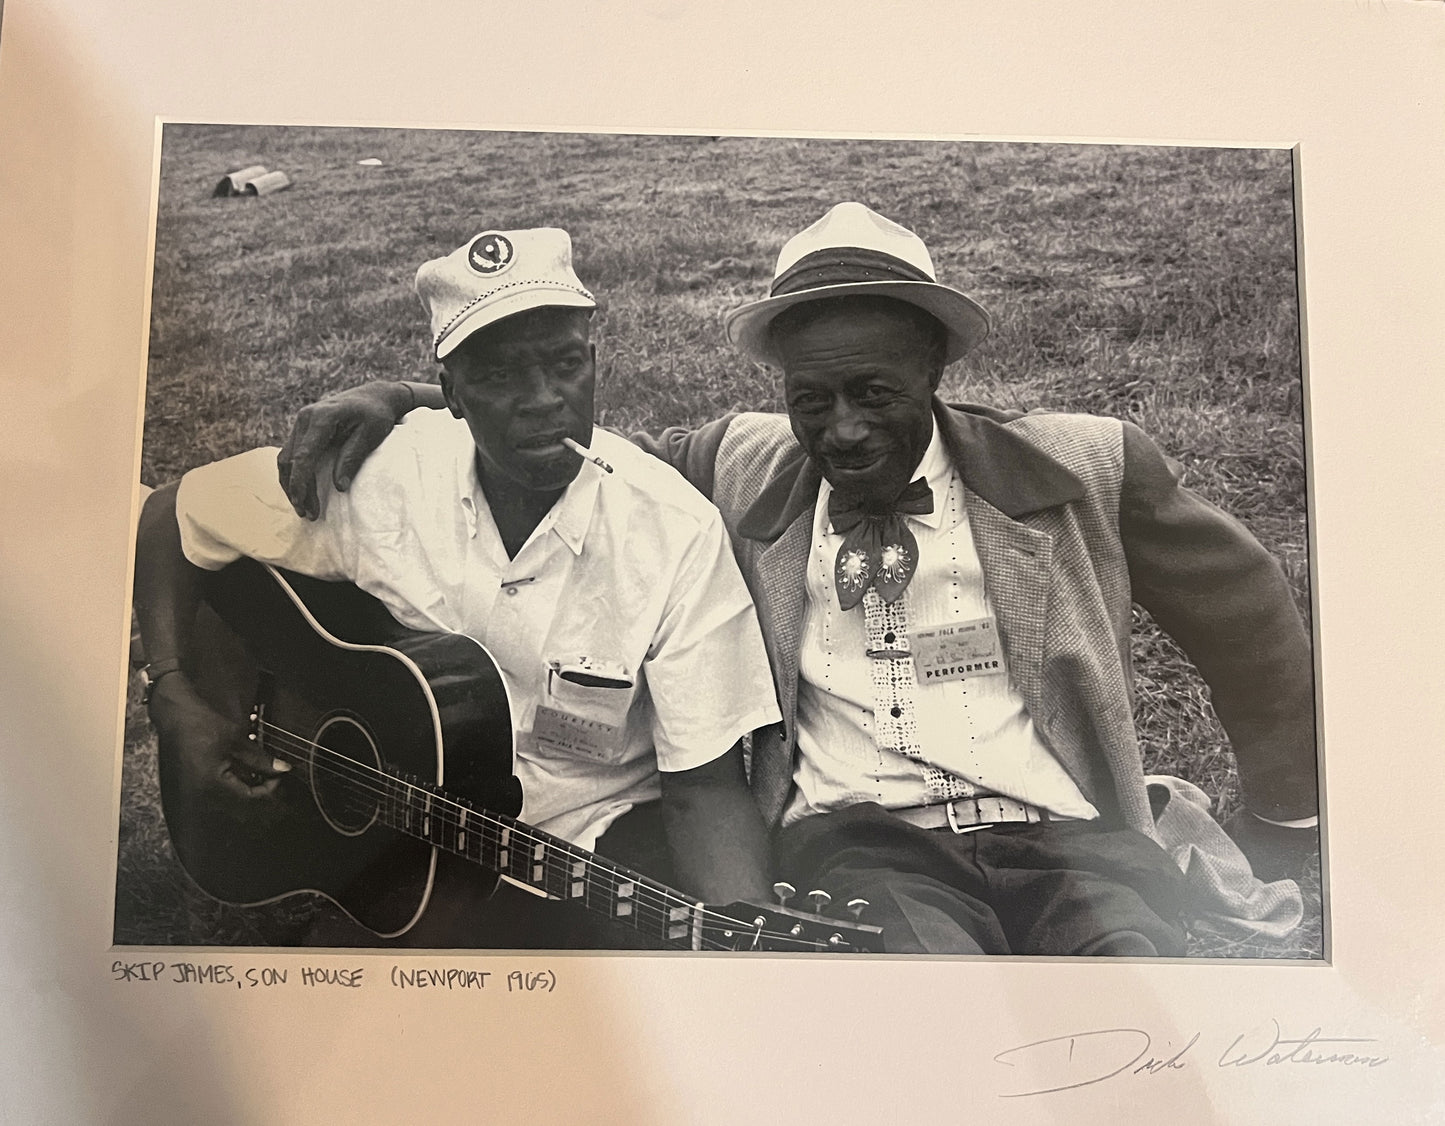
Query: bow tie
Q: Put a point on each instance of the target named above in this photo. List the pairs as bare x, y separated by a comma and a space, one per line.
878, 549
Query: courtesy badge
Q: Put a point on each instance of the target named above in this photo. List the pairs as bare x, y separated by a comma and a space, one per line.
585, 709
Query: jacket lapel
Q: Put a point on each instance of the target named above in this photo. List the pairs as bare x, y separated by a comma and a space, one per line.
1008, 471
1007, 480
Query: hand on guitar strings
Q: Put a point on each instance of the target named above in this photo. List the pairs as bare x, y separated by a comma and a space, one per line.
213, 749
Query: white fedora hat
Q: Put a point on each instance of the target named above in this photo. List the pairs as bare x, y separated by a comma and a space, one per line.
854, 250
493, 275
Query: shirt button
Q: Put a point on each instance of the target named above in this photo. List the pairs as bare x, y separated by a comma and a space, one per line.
889, 638
512, 590
895, 711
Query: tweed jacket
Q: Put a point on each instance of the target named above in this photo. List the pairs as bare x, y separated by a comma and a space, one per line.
1074, 517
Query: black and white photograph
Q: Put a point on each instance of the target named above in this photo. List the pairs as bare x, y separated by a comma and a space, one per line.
668, 562
762, 544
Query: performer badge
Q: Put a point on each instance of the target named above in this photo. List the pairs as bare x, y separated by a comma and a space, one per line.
958, 651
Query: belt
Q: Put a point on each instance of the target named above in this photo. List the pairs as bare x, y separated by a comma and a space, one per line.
964, 815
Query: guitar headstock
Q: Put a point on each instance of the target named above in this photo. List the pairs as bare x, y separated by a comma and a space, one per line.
783, 929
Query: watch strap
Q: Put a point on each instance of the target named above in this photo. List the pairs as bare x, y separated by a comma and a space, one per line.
152, 672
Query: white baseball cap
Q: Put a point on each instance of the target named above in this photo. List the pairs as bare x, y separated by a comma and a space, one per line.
497, 274
854, 250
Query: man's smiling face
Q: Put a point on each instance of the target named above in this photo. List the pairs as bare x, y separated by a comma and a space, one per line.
858, 377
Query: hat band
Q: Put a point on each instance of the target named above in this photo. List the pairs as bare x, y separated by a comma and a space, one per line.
845, 265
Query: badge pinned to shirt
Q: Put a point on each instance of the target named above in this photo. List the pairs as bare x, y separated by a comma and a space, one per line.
958, 651
584, 708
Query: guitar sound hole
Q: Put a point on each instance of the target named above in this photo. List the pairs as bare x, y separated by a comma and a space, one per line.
347, 793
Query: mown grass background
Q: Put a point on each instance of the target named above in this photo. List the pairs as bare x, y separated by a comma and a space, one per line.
1155, 284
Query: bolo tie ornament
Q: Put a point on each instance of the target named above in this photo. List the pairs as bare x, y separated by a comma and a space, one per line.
878, 550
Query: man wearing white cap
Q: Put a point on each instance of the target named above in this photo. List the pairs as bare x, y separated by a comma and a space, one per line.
946, 597
486, 520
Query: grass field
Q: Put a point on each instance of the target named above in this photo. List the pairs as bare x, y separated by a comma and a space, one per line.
1155, 284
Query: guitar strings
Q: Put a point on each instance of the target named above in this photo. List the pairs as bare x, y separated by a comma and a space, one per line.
490, 827
647, 896
356, 773
653, 897
657, 899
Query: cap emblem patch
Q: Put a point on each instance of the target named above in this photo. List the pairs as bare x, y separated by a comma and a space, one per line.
490, 253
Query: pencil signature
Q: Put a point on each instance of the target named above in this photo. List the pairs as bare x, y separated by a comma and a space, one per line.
1080, 1059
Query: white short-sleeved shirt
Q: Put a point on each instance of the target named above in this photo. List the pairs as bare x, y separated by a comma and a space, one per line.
628, 577
885, 730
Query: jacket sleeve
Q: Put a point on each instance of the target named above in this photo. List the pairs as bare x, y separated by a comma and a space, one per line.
1216, 591
693, 453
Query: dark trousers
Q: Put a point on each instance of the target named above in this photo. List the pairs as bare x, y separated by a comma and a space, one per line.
464, 913
1057, 887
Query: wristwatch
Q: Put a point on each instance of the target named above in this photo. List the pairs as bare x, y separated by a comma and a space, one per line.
151, 674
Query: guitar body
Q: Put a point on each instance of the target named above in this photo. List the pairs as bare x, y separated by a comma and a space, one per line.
373, 720
324, 678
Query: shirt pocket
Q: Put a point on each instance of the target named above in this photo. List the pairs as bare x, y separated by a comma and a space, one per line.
583, 710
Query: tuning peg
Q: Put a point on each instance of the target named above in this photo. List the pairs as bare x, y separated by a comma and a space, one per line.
820, 900
784, 891
856, 907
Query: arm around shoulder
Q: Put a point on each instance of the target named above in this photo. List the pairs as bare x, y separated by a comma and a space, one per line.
692, 452
342, 430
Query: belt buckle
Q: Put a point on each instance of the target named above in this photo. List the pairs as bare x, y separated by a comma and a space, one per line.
959, 830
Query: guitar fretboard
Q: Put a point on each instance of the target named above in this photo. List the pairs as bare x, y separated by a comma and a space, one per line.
545, 862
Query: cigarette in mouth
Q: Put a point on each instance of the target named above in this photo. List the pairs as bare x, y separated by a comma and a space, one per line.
585, 454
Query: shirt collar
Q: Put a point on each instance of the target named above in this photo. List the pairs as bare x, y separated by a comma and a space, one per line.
573, 513
569, 518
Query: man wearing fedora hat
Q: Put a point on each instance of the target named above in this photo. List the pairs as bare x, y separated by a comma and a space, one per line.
945, 594
599, 580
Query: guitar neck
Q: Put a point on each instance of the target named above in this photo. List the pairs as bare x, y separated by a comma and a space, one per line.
546, 863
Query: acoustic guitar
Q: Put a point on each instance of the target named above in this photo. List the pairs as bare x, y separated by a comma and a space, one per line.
400, 744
